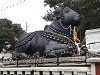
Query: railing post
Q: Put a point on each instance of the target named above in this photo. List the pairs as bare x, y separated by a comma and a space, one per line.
95, 65
57, 60
17, 62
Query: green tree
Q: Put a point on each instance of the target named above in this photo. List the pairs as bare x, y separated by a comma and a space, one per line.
9, 30
89, 8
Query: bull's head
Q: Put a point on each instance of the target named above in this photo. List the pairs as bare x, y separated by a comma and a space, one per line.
68, 16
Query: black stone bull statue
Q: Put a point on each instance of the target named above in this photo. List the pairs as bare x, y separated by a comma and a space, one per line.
55, 40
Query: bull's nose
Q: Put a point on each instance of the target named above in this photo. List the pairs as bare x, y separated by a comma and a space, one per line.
79, 18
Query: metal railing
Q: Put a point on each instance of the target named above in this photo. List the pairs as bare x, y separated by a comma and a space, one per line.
47, 61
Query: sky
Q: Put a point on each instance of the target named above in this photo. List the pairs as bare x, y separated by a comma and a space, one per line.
25, 11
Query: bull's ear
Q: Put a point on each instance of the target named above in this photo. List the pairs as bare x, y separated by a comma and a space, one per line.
57, 12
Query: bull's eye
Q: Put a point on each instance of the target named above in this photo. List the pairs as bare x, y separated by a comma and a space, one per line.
66, 11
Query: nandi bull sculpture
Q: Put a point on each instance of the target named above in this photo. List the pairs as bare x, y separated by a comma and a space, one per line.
55, 40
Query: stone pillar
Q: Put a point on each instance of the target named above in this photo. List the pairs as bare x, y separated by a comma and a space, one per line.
95, 65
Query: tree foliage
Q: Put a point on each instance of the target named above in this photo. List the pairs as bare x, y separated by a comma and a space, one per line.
8, 30
89, 8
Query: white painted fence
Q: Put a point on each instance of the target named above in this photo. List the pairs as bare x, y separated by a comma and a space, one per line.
47, 71
93, 40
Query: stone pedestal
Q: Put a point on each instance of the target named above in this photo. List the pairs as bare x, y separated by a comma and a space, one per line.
95, 65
